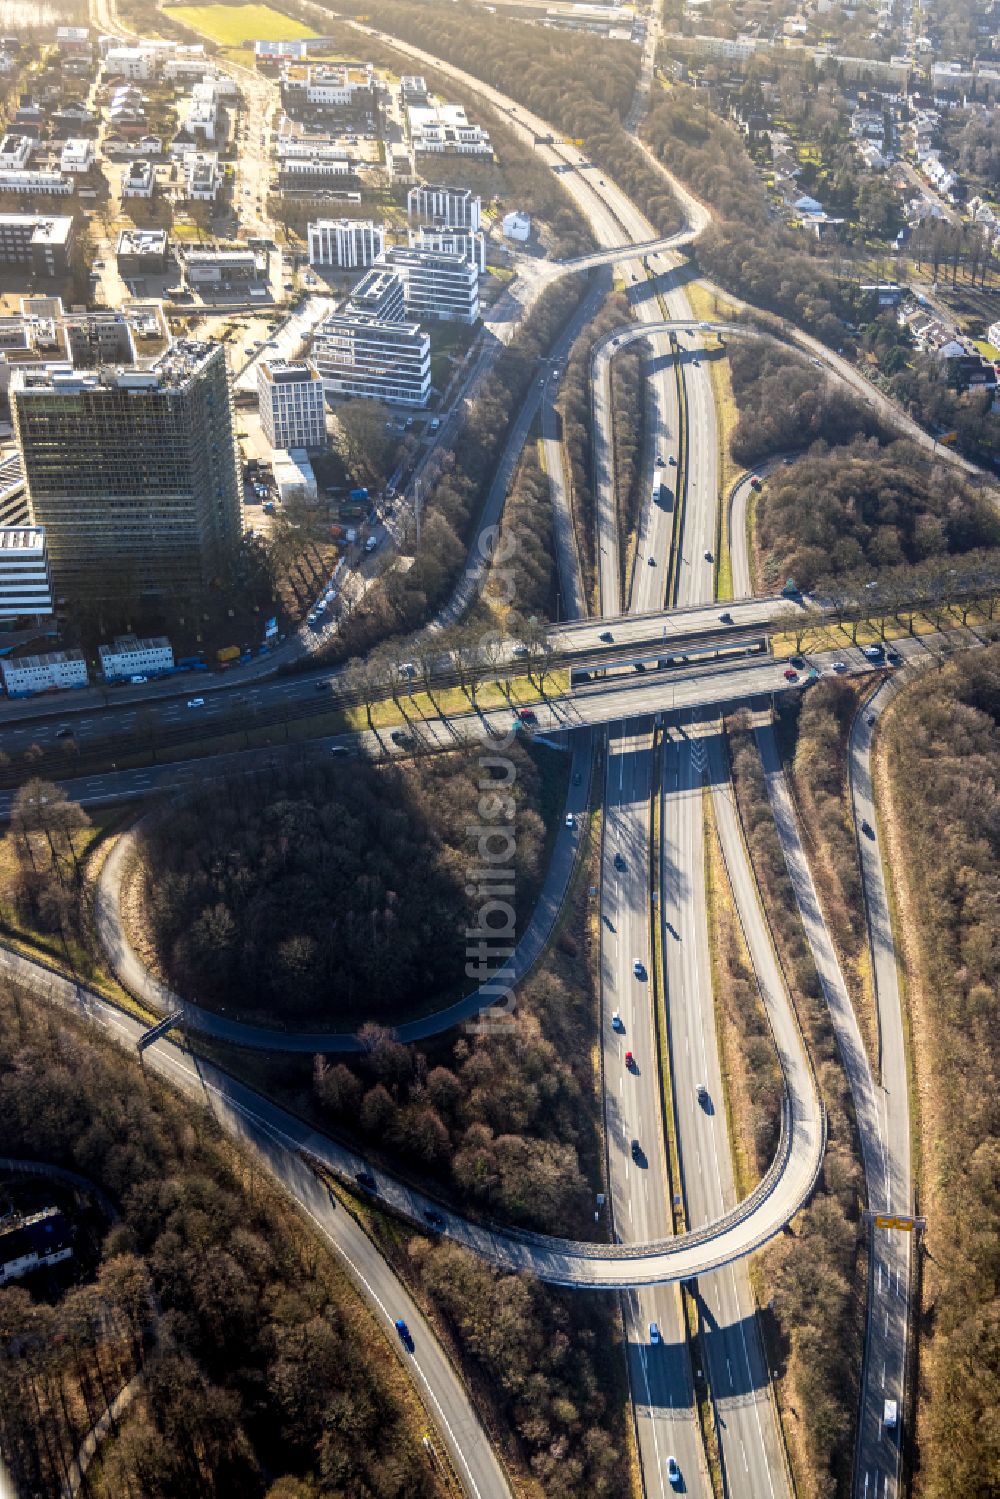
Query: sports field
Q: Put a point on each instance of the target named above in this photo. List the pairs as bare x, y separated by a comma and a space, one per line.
229, 25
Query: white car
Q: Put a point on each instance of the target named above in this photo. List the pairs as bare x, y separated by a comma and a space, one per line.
196, 702
616, 1021
570, 820
673, 1472
654, 1333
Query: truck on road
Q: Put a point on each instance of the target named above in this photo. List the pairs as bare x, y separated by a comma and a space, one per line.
889, 1415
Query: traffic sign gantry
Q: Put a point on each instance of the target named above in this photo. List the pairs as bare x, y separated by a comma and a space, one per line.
902, 1222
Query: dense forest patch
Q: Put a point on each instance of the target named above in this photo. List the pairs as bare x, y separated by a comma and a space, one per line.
863, 506
261, 1372
331, 894
943, 762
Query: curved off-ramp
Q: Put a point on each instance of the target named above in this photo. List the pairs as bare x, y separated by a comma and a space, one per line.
567, 1262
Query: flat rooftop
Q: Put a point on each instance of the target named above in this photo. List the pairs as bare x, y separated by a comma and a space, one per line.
22, 540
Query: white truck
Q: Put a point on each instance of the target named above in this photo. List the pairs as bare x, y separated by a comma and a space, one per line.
889, 1415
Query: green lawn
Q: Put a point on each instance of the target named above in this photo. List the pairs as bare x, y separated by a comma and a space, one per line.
230, 25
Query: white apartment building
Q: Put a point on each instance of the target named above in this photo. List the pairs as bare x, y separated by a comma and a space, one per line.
15, 152
445, 207
138, 181
129, 657
469, 243
440, 128
360, 356
30, 183
292, 403
77, 156
26, 674
136, 63
348, 244
202, 178
437, 287
25, 584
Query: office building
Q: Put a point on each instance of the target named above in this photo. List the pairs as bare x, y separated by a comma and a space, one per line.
25, 586
130, 657
347, 244
469, 243
379, 294
57, 669
142, 252
444, 207
218, 267
292, 403
133, 473
364, 357
446, 129
437, 287
38, 240
13, 493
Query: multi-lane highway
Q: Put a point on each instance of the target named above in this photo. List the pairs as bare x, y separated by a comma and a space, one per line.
673, 542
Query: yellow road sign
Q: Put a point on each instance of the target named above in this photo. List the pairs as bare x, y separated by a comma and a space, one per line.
905, 1225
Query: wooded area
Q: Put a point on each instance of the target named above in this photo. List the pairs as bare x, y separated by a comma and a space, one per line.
786, 404
944, 767
506, 1121
291, 896
861, 506
262, 1374
575, 413
815, 1272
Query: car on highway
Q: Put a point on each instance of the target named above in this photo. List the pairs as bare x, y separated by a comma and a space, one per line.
672, 461
654, 1332
709, 557
652, 561
619, 862
639, 969
64, 732
894, 658
636, 1149
617, 1024
790, 674
870, 719
659, 460
703, 1094
366, 1180
570, 820
839, 666
527, 715
872, 652
577, 778
196, 702
606, 636
629, 1062
673, 1472
434, 1218
405, 1335
867, 828
519, 651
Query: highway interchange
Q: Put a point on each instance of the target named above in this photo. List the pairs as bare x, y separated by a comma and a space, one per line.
647, 765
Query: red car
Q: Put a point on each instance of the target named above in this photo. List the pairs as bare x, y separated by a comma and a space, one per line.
791, 675
754, 481
630, 1061
526, 715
